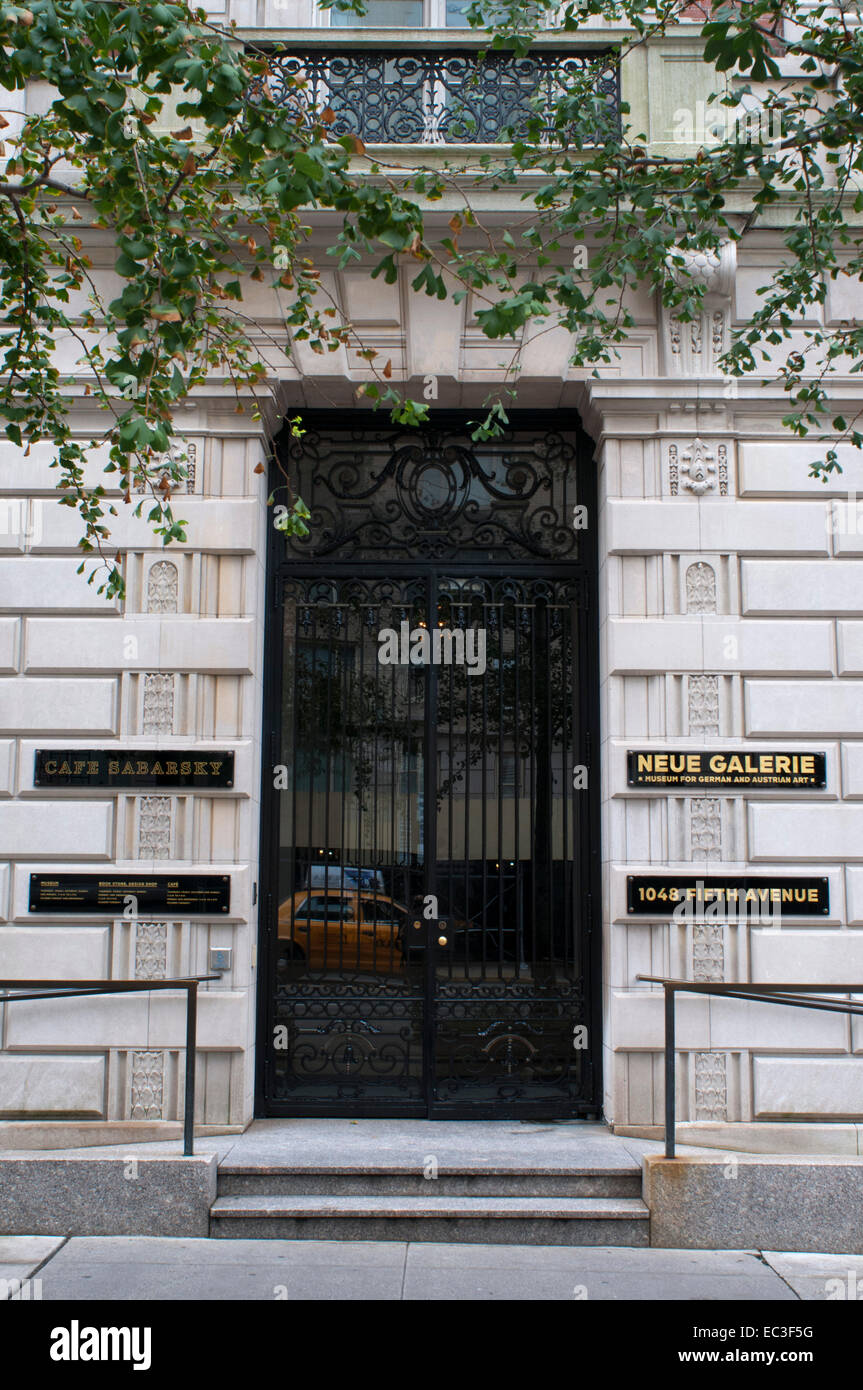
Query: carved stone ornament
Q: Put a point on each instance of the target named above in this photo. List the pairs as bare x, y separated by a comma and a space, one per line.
699, 470
694, 347
154, 827
147, 1089
711, 1086
157, 715
163, 584
708, 952
700, 588
181, 452
703, 704
705, 828
151, 950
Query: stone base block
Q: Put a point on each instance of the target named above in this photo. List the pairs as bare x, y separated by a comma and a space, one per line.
744, 1203
107, 1196
84, 1134
759, 1137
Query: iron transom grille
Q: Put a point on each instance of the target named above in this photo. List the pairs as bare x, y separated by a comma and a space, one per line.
433, 495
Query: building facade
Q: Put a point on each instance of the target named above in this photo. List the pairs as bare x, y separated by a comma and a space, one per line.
511, 805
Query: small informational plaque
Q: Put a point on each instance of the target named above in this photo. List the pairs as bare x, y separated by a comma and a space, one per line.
132, 894
661, 895
719, 768
134, 767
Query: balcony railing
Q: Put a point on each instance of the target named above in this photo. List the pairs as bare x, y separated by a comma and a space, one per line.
452, 97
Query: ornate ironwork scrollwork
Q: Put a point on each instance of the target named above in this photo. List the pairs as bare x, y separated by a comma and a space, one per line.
434, 495
390, 96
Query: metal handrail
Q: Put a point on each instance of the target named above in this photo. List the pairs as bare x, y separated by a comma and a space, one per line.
57, 989
788, 994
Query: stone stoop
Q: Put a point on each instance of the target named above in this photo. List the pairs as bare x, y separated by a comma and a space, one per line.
577, 1206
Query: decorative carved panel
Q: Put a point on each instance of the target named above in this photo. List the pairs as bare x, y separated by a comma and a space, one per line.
151, 950
163, 583
711, 1086
700, 588
147, 1091
154, 827
708, 951
703, 692
705, 827
157, 715
673, 470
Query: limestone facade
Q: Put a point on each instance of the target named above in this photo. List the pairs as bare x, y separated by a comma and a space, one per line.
731, 615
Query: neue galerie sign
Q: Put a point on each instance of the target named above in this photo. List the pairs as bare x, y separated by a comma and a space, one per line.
135, 767
119, 893
660, 895
720, 768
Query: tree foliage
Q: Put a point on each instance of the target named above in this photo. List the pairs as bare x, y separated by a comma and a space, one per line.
163, 137
783, 147
165, 134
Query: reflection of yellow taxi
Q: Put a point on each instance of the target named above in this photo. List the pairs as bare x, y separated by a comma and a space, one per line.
342, 930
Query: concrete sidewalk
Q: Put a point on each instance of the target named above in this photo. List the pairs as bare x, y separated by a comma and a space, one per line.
154, 1269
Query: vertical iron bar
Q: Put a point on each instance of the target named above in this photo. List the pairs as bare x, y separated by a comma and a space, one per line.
191, 1036
669, 1072
429, 841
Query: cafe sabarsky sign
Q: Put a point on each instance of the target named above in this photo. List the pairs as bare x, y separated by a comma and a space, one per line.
134, 767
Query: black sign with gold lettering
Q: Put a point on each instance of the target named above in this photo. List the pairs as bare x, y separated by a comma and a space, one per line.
130, 894
720, 768
134, 767
663, 895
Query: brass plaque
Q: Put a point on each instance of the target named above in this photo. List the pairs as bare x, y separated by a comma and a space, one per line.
717, 767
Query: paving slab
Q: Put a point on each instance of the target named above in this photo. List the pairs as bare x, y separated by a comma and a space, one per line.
28, 1250
122, 1269
151, 1269
606, 1274
820, 1278
21, 1257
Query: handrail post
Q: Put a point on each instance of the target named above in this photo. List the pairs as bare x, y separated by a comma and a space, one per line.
669, 1072
191, 1036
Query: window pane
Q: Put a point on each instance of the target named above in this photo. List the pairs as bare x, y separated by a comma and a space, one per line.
456, 14
382, 14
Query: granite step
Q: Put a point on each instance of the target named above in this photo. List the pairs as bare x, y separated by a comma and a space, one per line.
393, 1181
510, 1220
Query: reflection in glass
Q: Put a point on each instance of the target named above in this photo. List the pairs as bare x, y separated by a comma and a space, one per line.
456, 13
381, 14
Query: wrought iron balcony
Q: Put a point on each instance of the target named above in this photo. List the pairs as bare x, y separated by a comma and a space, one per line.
450, 97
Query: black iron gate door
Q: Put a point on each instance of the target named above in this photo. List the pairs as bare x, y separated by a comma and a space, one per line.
429, 926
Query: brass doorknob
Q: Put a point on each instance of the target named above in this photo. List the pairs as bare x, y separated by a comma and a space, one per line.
442, 940
417, 926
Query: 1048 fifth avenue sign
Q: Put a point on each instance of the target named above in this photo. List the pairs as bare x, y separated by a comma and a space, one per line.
720, 768
670, 895
134, 767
